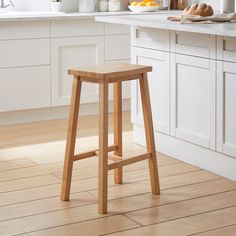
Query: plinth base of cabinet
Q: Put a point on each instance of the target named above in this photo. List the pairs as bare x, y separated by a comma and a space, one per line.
204, 158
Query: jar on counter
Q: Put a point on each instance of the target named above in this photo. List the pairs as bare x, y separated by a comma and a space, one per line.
164, 4
86, 6
182, 4
103, 5
114, 5
227, 6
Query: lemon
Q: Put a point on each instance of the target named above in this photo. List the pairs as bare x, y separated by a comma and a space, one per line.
133, 4
141, 4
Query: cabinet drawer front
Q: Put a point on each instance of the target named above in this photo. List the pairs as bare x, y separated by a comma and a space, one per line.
111, 29
24, 29
117, 47
27, 52
226, 49
150, 38
24, 88
72, 28
194, 44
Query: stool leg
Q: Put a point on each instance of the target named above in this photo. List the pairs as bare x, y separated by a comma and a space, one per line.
103, 148
118, 128
147, 116
71, 139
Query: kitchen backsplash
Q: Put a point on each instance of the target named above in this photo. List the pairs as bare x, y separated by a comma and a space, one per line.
72, 5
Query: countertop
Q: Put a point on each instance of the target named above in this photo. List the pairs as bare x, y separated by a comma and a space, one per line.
24, 16
159, 21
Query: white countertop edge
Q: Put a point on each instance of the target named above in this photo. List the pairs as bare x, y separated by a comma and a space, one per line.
28, 16
221, 29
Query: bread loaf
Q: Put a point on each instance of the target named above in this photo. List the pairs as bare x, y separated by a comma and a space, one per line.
200, 9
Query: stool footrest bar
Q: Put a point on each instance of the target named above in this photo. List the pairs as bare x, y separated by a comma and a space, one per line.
92, 153
129, 161
111, 157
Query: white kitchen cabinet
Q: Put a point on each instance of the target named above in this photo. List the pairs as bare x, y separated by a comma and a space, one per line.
148, 38
194, 44
73, 53
226, 48
24, 65
24, 88
24, 52
193, 92
24, 29
158, 85
76, 28
226, 109
117, 47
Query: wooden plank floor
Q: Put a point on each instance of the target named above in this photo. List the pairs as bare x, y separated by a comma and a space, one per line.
192, 201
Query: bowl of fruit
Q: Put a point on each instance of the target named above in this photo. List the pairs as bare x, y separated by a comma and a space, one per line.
144, 6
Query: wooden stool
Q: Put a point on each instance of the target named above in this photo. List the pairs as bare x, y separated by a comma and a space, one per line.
103, 75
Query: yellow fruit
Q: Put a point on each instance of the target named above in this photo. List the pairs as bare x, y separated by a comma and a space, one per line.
148, 1
154, 4
133, 4
141, 4
149, 4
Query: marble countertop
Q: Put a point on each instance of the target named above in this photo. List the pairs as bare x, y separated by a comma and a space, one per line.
159, 21
24, 16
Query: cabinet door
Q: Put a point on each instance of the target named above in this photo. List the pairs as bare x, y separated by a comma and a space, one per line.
158, 85
226, 109
74, 53
193, 99
24, 88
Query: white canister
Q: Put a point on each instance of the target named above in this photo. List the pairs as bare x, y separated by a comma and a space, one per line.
227, 6
86, 6
56, 6
103, 5
114, 5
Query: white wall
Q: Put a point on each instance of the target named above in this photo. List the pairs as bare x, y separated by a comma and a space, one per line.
32, 5
44, 5
214, 3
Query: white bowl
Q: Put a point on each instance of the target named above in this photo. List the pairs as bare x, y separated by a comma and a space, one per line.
143, 8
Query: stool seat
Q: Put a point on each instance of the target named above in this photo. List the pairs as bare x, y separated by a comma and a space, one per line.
110, 72
114, 73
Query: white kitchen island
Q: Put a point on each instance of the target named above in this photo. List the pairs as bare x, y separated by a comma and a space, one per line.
192, 87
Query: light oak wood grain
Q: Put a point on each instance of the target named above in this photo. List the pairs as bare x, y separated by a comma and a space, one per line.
34, 206
15, 164
72, 215
25, 183
33, 201
93, 227
118, 131
44, 205
227, 230
185, 208
187, 226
